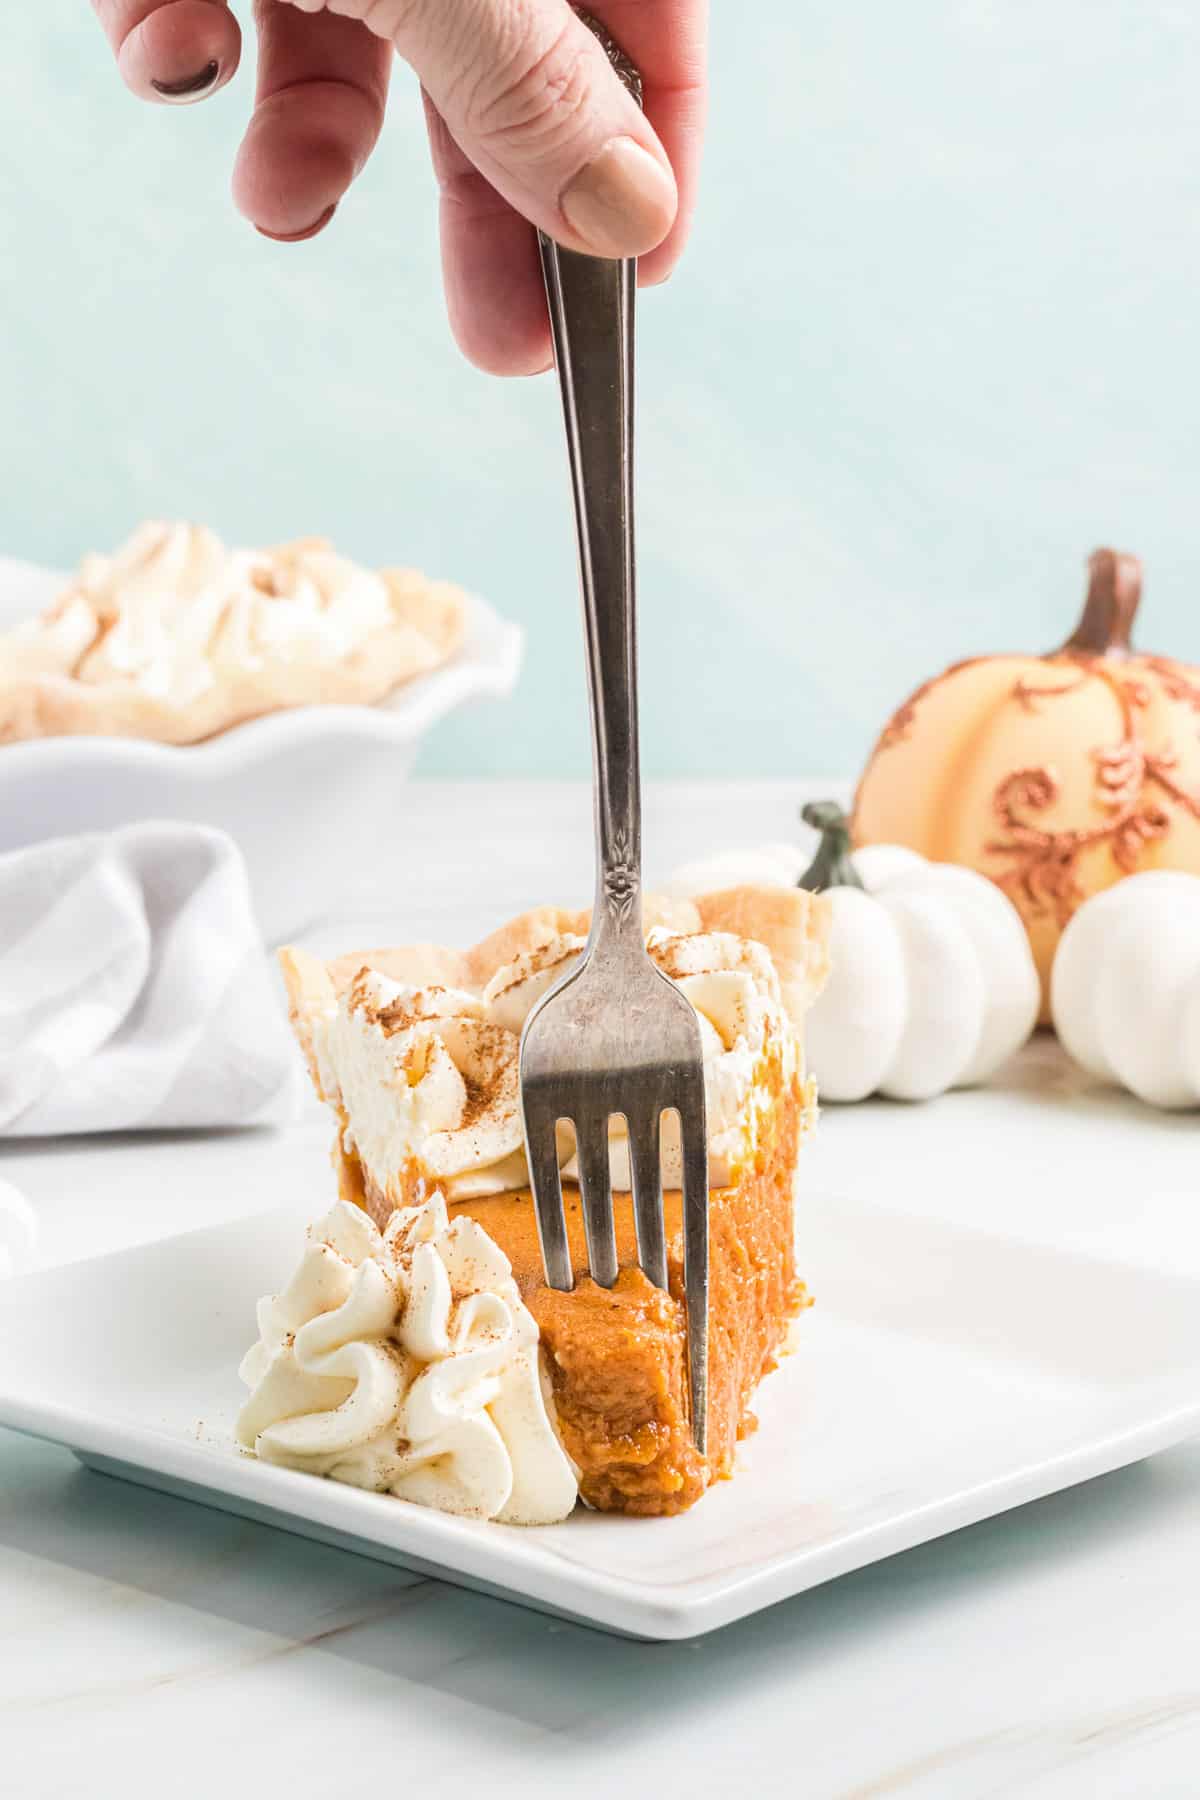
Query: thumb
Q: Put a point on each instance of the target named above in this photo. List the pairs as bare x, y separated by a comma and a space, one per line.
529, 94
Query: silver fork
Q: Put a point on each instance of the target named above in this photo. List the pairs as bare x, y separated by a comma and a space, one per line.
615, 1035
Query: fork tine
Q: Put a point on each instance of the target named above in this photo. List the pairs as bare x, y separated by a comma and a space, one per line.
542, 1148
693, 1133
595, 1187
645, 1162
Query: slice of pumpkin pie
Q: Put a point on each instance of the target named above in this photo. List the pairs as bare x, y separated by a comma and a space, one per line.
416, 1050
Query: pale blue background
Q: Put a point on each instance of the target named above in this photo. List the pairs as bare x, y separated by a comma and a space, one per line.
936, 337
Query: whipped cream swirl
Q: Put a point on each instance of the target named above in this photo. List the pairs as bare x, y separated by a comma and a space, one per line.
428, 1077
406, 1363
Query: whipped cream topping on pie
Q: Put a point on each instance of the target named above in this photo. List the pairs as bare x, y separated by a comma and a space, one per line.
734, 989
174, 607
516, 987
405, 1362
426, 1080
425, 1077
179, 636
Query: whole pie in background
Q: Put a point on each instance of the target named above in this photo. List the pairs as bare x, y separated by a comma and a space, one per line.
176, 637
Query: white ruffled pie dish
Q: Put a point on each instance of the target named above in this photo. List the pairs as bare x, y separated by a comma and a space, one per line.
309, 794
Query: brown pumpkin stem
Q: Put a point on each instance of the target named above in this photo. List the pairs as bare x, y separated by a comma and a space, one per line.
1114, 590
832, 866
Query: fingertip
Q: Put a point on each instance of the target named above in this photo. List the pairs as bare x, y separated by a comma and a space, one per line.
507, 340
505, 361
302, 149
299, 237
655, 270
181, 53
495, 296
623, 202
677, 115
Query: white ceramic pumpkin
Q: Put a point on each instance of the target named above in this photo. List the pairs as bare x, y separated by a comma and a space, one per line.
763, 865
1125, 987
932, 982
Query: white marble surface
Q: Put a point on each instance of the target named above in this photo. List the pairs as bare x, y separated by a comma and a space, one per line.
146, 1644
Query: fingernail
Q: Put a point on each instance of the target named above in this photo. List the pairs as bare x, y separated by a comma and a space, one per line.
622, 203
192, 87
298, 237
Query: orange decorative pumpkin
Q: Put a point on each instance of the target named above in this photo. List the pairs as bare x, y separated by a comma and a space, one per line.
1055, 775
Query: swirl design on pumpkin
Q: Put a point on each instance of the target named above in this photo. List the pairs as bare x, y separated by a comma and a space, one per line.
1043, 871
1025, 692
1175, 683
902, 720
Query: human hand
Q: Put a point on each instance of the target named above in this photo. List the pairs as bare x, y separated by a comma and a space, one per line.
528, 125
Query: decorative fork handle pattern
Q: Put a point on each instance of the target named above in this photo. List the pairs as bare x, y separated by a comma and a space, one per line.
591, 316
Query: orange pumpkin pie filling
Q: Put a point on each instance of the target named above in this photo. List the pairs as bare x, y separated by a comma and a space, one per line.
415, 1051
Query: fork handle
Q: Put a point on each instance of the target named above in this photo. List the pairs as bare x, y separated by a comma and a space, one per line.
591, 316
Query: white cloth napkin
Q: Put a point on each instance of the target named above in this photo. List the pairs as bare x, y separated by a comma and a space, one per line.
18, 1231
135, 993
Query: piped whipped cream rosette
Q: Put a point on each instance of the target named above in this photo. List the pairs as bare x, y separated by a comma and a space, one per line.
426, 1079
405, 1362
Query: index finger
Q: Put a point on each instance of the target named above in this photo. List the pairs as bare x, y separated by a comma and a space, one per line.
172, 51
667, 41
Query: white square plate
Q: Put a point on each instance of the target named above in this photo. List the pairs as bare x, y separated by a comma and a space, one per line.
943, 1375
